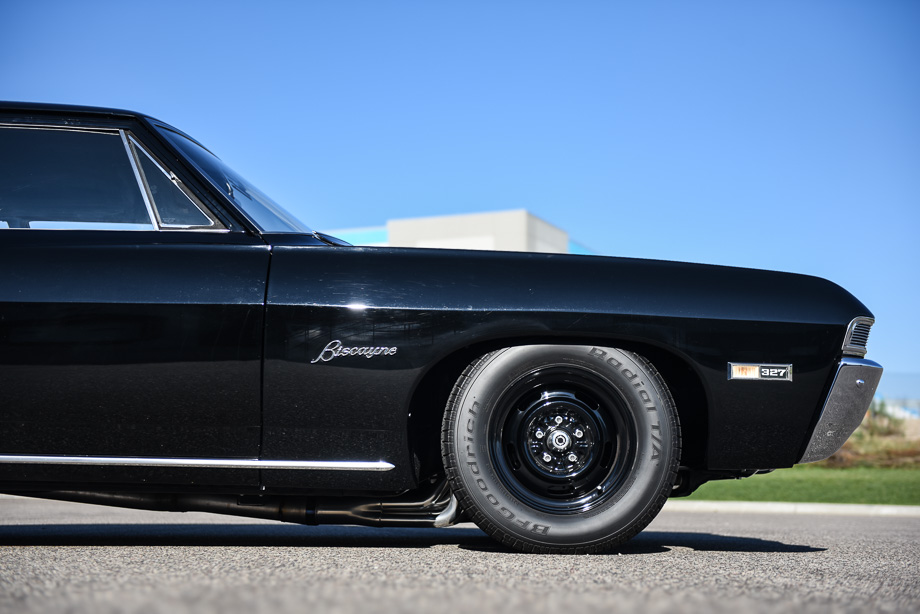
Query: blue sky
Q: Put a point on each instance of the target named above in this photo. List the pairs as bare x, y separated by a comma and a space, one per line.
780, 135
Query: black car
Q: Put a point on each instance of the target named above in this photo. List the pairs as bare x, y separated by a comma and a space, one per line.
172, 339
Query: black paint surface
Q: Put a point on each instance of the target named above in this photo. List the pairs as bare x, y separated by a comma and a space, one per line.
205, 345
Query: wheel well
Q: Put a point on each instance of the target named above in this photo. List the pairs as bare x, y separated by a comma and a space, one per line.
426, 409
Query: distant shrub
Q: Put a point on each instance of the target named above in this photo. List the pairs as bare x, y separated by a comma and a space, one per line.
878, 442
880, 423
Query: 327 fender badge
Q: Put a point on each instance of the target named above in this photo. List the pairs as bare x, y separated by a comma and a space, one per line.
334, 349
741, 370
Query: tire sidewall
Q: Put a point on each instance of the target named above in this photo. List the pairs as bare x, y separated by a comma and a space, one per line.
640, 493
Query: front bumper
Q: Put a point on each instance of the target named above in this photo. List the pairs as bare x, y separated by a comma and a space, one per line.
846, 405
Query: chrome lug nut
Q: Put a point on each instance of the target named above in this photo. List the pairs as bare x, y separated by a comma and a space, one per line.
558, 419
572, 458
579, 433
546, 457
539, 434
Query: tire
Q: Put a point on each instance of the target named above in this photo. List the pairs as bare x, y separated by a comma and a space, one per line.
561, 449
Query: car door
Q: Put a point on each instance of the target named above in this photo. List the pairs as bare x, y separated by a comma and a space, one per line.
130, 316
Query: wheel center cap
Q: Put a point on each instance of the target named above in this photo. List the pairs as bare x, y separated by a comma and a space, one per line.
560, 440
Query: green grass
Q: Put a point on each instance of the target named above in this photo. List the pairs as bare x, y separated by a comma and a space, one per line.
888, 486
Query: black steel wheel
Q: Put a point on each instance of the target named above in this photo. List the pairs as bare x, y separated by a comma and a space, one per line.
561, 448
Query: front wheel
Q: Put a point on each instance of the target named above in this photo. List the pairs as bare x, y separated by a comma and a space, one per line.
567, 449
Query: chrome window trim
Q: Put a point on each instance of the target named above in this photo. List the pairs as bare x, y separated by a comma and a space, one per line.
146, 228
856, 350
110, 131
192, 229
135, 166
203, 463
70, 225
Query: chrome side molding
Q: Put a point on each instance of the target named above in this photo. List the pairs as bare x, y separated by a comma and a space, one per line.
203, 463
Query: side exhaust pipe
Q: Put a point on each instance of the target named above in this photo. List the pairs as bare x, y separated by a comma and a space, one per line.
431, 507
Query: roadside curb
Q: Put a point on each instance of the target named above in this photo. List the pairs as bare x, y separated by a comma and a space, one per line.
775, 507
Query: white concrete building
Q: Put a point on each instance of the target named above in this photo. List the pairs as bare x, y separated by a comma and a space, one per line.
516, 230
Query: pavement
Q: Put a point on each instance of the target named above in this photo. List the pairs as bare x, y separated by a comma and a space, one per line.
69, 558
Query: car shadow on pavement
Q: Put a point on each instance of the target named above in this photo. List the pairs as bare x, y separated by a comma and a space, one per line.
662, 541
659, 542
466, 537
234, 534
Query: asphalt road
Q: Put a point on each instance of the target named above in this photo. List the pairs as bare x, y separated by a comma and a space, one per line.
73, 558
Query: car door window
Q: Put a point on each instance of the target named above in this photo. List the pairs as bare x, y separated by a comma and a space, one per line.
82, 179
68, 179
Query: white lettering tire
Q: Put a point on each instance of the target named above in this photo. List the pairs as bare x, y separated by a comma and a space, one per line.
561, 449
